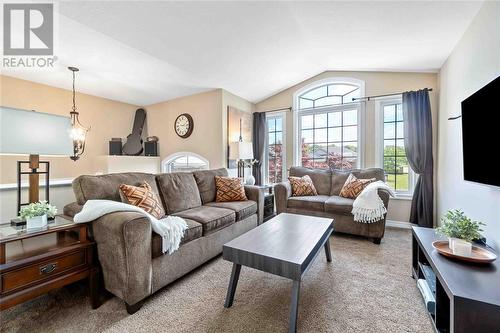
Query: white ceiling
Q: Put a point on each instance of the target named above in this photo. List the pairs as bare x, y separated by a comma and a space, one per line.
147, 52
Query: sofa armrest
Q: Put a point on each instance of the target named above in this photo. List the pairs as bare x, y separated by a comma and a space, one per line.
254, 193
124, 249
282, 191
72, 209
384, 195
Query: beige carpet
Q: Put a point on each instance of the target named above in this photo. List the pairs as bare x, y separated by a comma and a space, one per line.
367, 288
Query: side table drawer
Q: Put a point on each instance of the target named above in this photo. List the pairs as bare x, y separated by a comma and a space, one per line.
33, 273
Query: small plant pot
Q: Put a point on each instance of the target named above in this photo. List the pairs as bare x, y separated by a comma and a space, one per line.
451, 240
36, 222
461, 247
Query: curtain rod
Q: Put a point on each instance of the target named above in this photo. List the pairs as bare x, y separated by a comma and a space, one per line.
280, 109
385, 95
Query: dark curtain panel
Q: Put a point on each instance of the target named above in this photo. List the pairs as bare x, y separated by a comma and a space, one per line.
418, 145
259, 134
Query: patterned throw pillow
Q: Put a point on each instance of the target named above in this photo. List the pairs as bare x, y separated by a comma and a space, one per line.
229, 189
302, 186
143, 197
353, 186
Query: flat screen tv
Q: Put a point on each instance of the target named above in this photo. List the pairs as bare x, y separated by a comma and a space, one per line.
481, 135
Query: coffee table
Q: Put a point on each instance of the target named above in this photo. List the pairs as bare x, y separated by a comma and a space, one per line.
286, 246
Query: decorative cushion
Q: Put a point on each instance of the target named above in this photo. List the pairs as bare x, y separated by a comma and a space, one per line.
193, 232
178, 191
143, 197
205, 179
211, 218
302, 186
243, 209
321, 178
353, 186
229, 189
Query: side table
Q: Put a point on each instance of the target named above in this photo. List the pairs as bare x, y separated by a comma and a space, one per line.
269, 212
36, 261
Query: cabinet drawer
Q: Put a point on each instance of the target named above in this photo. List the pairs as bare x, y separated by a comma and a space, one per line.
33, 273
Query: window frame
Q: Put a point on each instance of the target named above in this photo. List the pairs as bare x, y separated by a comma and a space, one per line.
282, 115
359, 106
165, 162
379, 147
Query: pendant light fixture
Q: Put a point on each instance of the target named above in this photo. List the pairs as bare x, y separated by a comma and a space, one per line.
78, 131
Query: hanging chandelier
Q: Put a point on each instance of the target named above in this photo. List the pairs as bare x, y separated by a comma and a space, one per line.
78, 131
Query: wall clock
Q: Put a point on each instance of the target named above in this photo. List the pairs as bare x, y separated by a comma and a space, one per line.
183, 125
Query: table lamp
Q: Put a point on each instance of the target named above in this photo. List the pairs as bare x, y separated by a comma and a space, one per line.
241, 151
32, 133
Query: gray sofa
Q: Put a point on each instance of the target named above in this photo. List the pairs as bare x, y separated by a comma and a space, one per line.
130, 253
328, 203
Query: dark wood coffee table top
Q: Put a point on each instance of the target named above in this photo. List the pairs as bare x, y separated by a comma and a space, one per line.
285, 245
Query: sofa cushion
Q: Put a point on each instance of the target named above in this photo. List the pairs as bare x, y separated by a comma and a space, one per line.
143, 197
106, 187
338, 205
243, 209
316, 202
178, 191
322, 179
211, 218
193, 231
229, 189
339, 177
205, 179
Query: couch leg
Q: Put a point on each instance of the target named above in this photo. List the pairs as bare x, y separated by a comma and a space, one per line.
131, 309
377, 240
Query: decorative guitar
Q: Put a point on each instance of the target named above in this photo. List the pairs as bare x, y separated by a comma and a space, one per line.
133, 146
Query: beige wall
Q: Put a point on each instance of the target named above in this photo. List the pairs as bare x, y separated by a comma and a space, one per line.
375, 83
106, 117
474, 62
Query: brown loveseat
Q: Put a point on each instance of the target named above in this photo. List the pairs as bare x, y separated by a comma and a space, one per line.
328, 203
130, 253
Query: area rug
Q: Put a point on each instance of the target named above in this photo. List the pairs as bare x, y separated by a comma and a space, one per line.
367, 288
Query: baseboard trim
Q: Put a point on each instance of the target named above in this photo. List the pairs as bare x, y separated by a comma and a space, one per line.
398, 224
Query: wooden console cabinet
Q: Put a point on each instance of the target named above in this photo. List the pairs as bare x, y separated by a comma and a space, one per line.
34, 262
467, 296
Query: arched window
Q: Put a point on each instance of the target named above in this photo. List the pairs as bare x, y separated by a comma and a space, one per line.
184, 162
328, 126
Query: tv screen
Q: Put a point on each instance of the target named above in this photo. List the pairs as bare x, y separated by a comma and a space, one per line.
481, 135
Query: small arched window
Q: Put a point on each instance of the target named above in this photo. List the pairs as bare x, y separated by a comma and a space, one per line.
184, 162
328, 95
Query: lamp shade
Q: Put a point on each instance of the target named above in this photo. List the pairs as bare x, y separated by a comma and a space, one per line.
30, 132
240, 151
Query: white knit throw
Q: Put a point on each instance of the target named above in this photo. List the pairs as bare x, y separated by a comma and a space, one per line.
368, 207
171, 228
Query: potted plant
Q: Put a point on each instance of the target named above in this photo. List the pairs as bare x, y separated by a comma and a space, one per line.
460, 230
36, 214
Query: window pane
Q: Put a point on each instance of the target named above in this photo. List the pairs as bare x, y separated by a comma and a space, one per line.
401, 165
340, 89
402, 181
400, 150
279, 124
334, 134
391, 180
307, 121
279, 137
390, 164
350, 133
320, 135
334, 119
305, 103
350, 117
349, 163
389, 130
389, 113
271, 140
320, 152
316, 93
350, 149
399, 112
389, 148
307, 136
320, 120
325, 101
400, 129
348, 98
271, 125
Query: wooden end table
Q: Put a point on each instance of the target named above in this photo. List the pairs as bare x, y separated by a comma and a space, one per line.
286, 246
36, 261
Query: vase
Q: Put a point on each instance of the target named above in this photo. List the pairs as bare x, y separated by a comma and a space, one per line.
36, 222
250, 180
450, 242
461, 247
